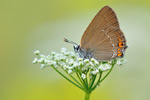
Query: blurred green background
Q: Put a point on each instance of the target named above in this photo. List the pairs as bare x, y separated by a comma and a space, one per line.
27, 25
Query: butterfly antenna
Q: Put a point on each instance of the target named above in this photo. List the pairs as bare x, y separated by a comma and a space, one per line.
68, 41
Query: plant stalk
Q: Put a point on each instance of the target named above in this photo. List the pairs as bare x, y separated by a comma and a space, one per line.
87, 95
68, 78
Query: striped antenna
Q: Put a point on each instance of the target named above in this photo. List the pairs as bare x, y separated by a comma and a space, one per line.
68, 41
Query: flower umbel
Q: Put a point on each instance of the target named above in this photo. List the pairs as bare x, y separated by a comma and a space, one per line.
88, 71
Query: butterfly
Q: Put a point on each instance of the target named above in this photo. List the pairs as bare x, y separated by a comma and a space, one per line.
103, 38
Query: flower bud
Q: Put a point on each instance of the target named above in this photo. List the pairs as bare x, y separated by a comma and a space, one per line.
69, 71
36, 52
83, 76
35, 61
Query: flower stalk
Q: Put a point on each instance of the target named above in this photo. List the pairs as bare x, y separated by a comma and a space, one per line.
87, 95
85, 74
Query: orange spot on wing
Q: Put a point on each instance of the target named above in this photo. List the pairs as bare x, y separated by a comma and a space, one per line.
119, 49
120, 39
120, 44
119, 54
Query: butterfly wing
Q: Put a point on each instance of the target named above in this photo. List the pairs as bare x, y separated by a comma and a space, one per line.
102, 36
112, 46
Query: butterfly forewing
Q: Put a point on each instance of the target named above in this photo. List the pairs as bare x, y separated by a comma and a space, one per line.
104, 18
103, 37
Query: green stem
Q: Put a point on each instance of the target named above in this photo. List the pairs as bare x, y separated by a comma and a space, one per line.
80, 79
87, 95
84, 82
73, 78
98, 82
107, 73
93, 81
67, 78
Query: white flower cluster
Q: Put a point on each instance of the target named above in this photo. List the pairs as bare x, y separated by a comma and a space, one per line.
121, 62
71, 63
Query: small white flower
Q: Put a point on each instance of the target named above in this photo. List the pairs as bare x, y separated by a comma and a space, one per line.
87, 65
70, 67
72, 54
42, 56
58, 58
104, 67
51, 62
91, 64
63, 50
55, 66
121, 62
83, 76
41, 60
84, 69
95, 72
80, 59
53, 53
43, 66
54, 62
66, 53
86, 60
96, 62
61, 55
118, 62
46, 61
36, 52
81, 63
92, 59
67, 60
49, 57
65, 67
64, 57
108, 66
69, 71
35, 61
101, 67
62, 64
56, 55
71, 61
75, 64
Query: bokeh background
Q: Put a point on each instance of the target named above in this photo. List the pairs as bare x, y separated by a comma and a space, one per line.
27, 25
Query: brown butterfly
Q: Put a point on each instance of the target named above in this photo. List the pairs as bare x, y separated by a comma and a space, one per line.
103, 38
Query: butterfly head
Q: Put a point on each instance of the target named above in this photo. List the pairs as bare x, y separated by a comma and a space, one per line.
81, 52
76, 48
